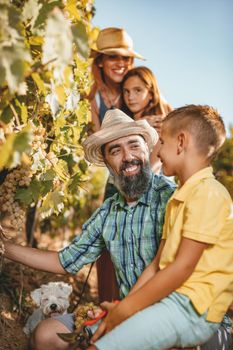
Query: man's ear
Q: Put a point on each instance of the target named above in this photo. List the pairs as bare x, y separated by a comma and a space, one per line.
182, 141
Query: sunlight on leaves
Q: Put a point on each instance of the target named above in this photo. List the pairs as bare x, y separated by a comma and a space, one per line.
58, 39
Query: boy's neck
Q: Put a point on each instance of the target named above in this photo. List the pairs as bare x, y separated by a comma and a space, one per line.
190, 169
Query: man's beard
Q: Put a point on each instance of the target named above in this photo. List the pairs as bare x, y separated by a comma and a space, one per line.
133, 186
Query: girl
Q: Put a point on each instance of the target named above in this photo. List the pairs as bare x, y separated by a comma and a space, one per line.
142, 99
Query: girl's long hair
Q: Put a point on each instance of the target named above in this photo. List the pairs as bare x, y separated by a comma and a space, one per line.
156, 105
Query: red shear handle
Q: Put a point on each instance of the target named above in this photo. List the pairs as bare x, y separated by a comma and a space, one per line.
101, 315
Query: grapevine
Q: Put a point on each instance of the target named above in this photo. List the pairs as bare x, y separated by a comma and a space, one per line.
44, 111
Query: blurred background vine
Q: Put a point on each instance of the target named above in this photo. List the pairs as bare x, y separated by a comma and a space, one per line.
223, 164
44, 113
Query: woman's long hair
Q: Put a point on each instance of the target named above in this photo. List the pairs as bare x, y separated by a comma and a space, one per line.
97, 76
156, 106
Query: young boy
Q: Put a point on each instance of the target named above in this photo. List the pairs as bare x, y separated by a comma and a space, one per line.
182, 296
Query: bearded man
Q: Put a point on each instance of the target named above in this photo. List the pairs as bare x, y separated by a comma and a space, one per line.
129, 224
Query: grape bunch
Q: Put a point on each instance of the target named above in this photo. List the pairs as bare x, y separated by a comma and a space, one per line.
19, 177
38, 140
40, 147
86, 312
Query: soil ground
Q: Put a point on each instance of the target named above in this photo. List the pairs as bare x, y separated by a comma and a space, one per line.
16, 282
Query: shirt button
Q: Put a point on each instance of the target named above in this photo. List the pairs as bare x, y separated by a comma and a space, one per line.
132, 265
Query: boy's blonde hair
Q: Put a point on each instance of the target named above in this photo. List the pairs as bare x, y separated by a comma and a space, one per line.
203, 122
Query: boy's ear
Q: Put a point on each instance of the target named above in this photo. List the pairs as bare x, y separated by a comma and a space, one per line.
182, 139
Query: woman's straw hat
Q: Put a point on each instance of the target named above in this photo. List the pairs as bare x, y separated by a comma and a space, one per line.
114, 41
116, 124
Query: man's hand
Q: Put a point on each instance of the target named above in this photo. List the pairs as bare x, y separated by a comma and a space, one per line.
116, 315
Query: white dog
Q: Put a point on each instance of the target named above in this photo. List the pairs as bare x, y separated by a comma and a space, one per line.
52, 299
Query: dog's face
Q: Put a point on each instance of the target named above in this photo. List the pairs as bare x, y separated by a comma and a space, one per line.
52, 298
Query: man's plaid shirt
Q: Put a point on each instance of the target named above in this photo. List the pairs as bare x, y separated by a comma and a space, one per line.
130, 233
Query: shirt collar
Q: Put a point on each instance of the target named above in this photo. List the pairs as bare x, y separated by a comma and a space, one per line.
181, 193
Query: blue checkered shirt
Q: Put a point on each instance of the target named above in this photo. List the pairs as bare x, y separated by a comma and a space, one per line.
130, 233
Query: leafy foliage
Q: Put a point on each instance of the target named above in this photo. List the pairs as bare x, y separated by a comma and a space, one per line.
223, 164
44, 81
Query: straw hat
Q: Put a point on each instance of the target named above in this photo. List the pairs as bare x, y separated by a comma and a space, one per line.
116, 124
114, 41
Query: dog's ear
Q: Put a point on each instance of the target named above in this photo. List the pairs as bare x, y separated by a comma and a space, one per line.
36, 296
67, 288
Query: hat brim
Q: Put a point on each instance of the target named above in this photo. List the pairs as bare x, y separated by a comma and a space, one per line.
92, 145
117, 51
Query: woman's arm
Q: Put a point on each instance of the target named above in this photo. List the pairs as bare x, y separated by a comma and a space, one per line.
35, 258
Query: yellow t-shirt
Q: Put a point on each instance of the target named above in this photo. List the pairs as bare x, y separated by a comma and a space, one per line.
202, 210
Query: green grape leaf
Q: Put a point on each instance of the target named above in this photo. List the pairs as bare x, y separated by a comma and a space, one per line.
71, 8
12, 150
31, 12
30, 194
24, 112
83, 166
57, 48
14, 55
39, 82
48, 175
46, 186
13, 61
6, 115
6, 151
61, 170
60, 93
80, 39
46, 8
24, 195
74, 183
53, 203
21, 142
53, 103
59, 123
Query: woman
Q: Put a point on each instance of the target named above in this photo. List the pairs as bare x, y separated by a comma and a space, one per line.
113, 57
142, 99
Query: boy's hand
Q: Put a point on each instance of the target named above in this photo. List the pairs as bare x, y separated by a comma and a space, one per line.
107, 305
